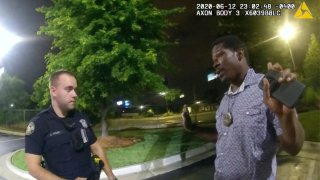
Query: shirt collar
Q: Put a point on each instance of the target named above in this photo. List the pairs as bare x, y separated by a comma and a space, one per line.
248, 80
240, 89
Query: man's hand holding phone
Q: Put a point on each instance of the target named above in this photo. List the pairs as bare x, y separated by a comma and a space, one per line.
281, 89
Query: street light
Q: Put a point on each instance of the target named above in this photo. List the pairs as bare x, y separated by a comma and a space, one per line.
287, 32
164, 95
8, 40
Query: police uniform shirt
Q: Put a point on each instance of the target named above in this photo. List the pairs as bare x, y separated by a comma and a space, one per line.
47, 135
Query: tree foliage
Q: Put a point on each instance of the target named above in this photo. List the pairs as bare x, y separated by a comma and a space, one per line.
12, 92
172, 94
311, 98
115, 48
312, 64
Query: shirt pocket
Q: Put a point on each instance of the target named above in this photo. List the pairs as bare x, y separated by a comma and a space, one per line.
59, 148
255, 122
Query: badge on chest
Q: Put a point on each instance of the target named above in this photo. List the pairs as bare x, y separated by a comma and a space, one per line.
227, 119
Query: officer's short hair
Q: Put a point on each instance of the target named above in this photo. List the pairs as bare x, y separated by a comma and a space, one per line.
55, 76
233, 43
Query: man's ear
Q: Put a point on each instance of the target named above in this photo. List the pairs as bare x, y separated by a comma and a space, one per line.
240, 54
52, 90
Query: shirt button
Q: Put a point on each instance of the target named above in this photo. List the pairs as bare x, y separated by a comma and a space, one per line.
225, 134
221, 154
247, 113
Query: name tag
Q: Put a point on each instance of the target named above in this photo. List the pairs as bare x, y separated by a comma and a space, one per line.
55, 133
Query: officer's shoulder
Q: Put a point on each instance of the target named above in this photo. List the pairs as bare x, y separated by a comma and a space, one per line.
41, 116
79, 114
82, 116
38, 122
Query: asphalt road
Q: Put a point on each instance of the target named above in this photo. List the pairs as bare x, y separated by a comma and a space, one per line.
10, 143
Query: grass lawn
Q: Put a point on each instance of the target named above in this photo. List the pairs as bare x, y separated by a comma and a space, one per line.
156, 144
311, 124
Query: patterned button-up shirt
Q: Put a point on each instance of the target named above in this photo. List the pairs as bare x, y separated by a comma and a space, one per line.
246, 149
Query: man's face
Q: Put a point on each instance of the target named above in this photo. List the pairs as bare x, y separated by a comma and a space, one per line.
64, 92
225, 62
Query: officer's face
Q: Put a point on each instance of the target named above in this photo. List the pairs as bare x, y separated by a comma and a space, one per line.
64, 93
225, 62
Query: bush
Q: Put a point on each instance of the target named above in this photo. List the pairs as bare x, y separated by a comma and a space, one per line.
310, 100
148, 113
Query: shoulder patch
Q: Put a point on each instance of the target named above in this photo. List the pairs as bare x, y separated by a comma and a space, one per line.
30, 128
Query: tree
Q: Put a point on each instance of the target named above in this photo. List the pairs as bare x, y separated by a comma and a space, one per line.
12, 92
312, 73
115, 48
170, 95
312, 64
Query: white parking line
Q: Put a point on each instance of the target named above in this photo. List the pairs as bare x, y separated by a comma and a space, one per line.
11, 140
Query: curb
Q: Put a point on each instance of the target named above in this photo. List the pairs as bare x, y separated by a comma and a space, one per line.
16, 170
146, 169
12, 132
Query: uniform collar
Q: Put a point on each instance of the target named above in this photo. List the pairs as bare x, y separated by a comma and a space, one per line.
51, 110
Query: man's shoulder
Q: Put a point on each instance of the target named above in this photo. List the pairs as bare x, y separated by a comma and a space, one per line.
44, 114
79, 114
82, 118
38, 123
256, 75
259, 75
253, 78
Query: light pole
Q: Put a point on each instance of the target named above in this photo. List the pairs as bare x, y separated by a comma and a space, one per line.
164, 96
287, 32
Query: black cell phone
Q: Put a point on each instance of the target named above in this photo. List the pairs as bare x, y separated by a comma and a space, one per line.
287, 93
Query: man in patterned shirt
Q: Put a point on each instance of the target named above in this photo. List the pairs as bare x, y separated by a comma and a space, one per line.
249, 123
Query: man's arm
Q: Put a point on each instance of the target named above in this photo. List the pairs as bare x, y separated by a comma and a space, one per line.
292, 137
209, 134
98, 150
36, 170
291, 140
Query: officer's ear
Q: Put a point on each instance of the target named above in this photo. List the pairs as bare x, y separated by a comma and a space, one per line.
52, 90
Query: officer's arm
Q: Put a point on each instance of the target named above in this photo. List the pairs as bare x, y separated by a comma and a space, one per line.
35, 169
98, 150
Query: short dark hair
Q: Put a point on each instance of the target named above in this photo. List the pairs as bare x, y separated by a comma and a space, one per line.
55, 76
231, 42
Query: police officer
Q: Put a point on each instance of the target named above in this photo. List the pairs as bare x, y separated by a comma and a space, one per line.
63, 136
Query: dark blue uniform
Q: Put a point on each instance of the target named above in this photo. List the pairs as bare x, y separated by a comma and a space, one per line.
66, 151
